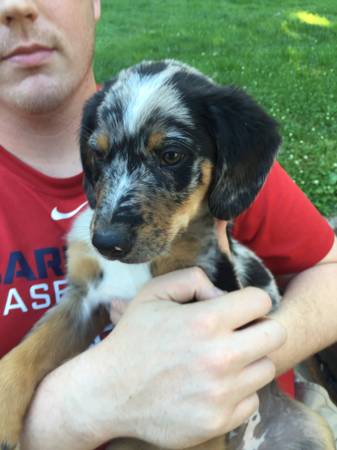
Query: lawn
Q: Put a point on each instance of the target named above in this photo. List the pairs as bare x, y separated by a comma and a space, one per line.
282, 53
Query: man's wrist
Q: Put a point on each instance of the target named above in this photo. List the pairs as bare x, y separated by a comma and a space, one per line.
72, 399
91, 396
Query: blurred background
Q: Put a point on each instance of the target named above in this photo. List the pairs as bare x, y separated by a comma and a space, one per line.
283, 53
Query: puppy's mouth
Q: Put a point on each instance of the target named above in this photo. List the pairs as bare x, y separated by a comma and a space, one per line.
126, 258
112, 255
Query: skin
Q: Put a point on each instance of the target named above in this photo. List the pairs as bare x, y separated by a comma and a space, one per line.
48, 124
224, 367
308, 312
212, 371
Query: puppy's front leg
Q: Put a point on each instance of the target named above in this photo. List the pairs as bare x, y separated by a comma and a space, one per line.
61, 334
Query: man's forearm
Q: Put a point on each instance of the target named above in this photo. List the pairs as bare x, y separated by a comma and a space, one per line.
308, 312
55, 419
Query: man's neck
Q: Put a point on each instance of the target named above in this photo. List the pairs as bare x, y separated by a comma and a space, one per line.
47, 142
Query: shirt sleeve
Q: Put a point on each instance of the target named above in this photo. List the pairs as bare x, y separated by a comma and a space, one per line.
283, 227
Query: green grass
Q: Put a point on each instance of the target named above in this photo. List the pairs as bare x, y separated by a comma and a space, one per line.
287, 65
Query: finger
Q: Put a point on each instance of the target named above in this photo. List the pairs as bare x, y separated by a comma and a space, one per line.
256, 341
180, 286
244, 409
254, 377
115, 317
238, 308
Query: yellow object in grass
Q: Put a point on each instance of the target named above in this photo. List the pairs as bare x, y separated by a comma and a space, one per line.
312, 19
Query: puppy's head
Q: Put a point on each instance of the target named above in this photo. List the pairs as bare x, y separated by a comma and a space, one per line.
159, 140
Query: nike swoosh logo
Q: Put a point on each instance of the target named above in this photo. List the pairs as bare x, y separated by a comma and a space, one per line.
58, 215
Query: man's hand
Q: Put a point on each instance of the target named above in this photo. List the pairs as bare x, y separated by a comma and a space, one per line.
187, 373
170, 373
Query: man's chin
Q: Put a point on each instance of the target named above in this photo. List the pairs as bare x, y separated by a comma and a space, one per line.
39, 94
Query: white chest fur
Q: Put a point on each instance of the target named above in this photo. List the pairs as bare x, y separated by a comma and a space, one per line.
119, 282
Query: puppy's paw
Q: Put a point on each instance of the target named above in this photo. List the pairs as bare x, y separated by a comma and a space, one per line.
10, 430
16, 391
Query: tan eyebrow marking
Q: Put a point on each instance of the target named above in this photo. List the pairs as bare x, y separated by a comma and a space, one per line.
102, 142
155, 140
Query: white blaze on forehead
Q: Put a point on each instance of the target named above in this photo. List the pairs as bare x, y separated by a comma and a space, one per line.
139, 96
123, 181
151, 93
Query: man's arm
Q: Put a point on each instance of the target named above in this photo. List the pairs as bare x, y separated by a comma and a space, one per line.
173, 375
308, 312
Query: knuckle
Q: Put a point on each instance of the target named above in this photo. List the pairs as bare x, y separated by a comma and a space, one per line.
205, 323
232, 356
215, 363
217, 394
214, 393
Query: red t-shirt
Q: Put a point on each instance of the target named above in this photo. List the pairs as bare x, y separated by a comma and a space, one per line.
32, 275
281, 226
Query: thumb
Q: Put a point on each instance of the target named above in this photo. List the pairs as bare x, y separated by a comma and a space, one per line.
180, 286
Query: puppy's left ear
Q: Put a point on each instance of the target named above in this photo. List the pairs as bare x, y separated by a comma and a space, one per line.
246, 140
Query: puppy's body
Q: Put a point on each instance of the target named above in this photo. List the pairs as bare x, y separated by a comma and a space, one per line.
164, 151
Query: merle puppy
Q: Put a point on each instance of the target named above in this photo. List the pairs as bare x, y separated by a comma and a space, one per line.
164, 151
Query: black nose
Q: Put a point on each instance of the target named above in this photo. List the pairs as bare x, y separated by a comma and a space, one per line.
112, 243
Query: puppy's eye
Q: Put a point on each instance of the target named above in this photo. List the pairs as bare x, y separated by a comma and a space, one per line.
171, 157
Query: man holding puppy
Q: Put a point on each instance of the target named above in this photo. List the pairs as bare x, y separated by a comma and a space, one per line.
109, 391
